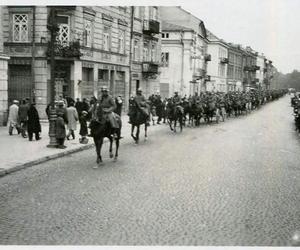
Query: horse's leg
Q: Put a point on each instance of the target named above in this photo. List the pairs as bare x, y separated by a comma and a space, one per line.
132, 131
146, 136
117, 148
96, 142
170, 124
111, 155
137, 135
175, 123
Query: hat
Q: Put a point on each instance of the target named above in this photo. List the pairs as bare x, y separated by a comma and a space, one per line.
60, 103
15, 101
139, 89
104, 88
84, 112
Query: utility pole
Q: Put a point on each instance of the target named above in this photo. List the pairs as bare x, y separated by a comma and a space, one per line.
52, 26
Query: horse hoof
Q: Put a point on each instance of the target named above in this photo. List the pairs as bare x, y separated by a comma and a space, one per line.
111, 155
146, 139
115, 159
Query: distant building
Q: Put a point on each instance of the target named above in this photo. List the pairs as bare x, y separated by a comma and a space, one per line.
217, 68
260, 62
184, 53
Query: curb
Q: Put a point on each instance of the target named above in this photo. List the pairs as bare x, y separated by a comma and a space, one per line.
4, 172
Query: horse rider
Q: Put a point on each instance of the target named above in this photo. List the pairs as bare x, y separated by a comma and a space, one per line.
141, 103
176, 99
108, 105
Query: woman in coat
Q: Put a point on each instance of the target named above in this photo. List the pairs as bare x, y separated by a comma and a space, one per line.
72, 116
34, 126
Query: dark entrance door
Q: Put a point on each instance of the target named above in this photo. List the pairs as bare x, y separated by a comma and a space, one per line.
19, 82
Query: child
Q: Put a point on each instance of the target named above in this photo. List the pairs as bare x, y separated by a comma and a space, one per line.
60, 131
83, 128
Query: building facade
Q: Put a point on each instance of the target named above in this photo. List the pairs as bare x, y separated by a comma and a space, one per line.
260, 62
146, 49
3, 75
236, 61
91, 50
184, 53
217, 68
269, 72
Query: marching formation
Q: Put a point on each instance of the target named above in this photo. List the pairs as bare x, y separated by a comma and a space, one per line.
182, 110
295, 103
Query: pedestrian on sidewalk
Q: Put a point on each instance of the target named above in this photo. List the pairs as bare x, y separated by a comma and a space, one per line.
23, 117
72, 116
13, 118
60, 131
119, 104
34, 125
83, 127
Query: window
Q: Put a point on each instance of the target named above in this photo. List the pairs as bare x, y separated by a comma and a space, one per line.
153, 50
221, 70
167, 35
63, 36
20, 27
230, 71
154, 13
121, 41
106, 38
137, 12
162, 35
145, 52
87, 38
136, 54
165, 59
102, 75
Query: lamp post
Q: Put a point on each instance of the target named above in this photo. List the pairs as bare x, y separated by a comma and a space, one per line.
52, 26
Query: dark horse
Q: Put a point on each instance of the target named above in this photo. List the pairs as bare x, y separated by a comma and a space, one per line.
100, 129
175, 113
137, 117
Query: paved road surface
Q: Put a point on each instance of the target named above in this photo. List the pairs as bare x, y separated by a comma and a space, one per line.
236, 183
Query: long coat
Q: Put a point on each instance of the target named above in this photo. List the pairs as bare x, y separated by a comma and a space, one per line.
34, 125
13, 114
60, 129
72, 118
23, 109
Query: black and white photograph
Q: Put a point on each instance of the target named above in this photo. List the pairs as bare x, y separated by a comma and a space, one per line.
150, 123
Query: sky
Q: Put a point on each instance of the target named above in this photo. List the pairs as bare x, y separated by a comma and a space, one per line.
271, 27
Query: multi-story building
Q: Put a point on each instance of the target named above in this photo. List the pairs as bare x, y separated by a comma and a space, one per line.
3, 75
235, 68
269, 71
217, 68
92, 49
260, 62
250, 68
146, 49
184, 52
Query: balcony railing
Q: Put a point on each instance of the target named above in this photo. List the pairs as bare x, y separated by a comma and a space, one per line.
150, 67
151, 27
65, 50
224, 60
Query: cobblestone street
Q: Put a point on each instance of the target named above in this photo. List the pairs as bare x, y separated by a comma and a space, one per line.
233, 183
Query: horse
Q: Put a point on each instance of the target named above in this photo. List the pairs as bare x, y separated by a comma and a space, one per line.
100, 129
209, 111
175, 113
137, 117
196, 113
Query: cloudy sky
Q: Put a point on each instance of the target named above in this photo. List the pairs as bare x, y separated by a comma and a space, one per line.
271, 27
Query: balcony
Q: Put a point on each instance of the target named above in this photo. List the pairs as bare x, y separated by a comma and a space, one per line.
207, 78
71, 50
207, 58
255, 68
224, 60
150, 67
151, 27
199, 73
247, 68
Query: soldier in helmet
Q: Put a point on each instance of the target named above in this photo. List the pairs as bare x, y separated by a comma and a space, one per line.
108, 105
141, 103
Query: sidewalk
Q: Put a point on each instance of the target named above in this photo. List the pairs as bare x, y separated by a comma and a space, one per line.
17, 152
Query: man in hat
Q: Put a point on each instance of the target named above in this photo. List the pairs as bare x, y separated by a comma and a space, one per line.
108, 105
13, 117
141, 103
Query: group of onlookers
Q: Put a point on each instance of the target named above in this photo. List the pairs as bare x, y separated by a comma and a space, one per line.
24, 118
